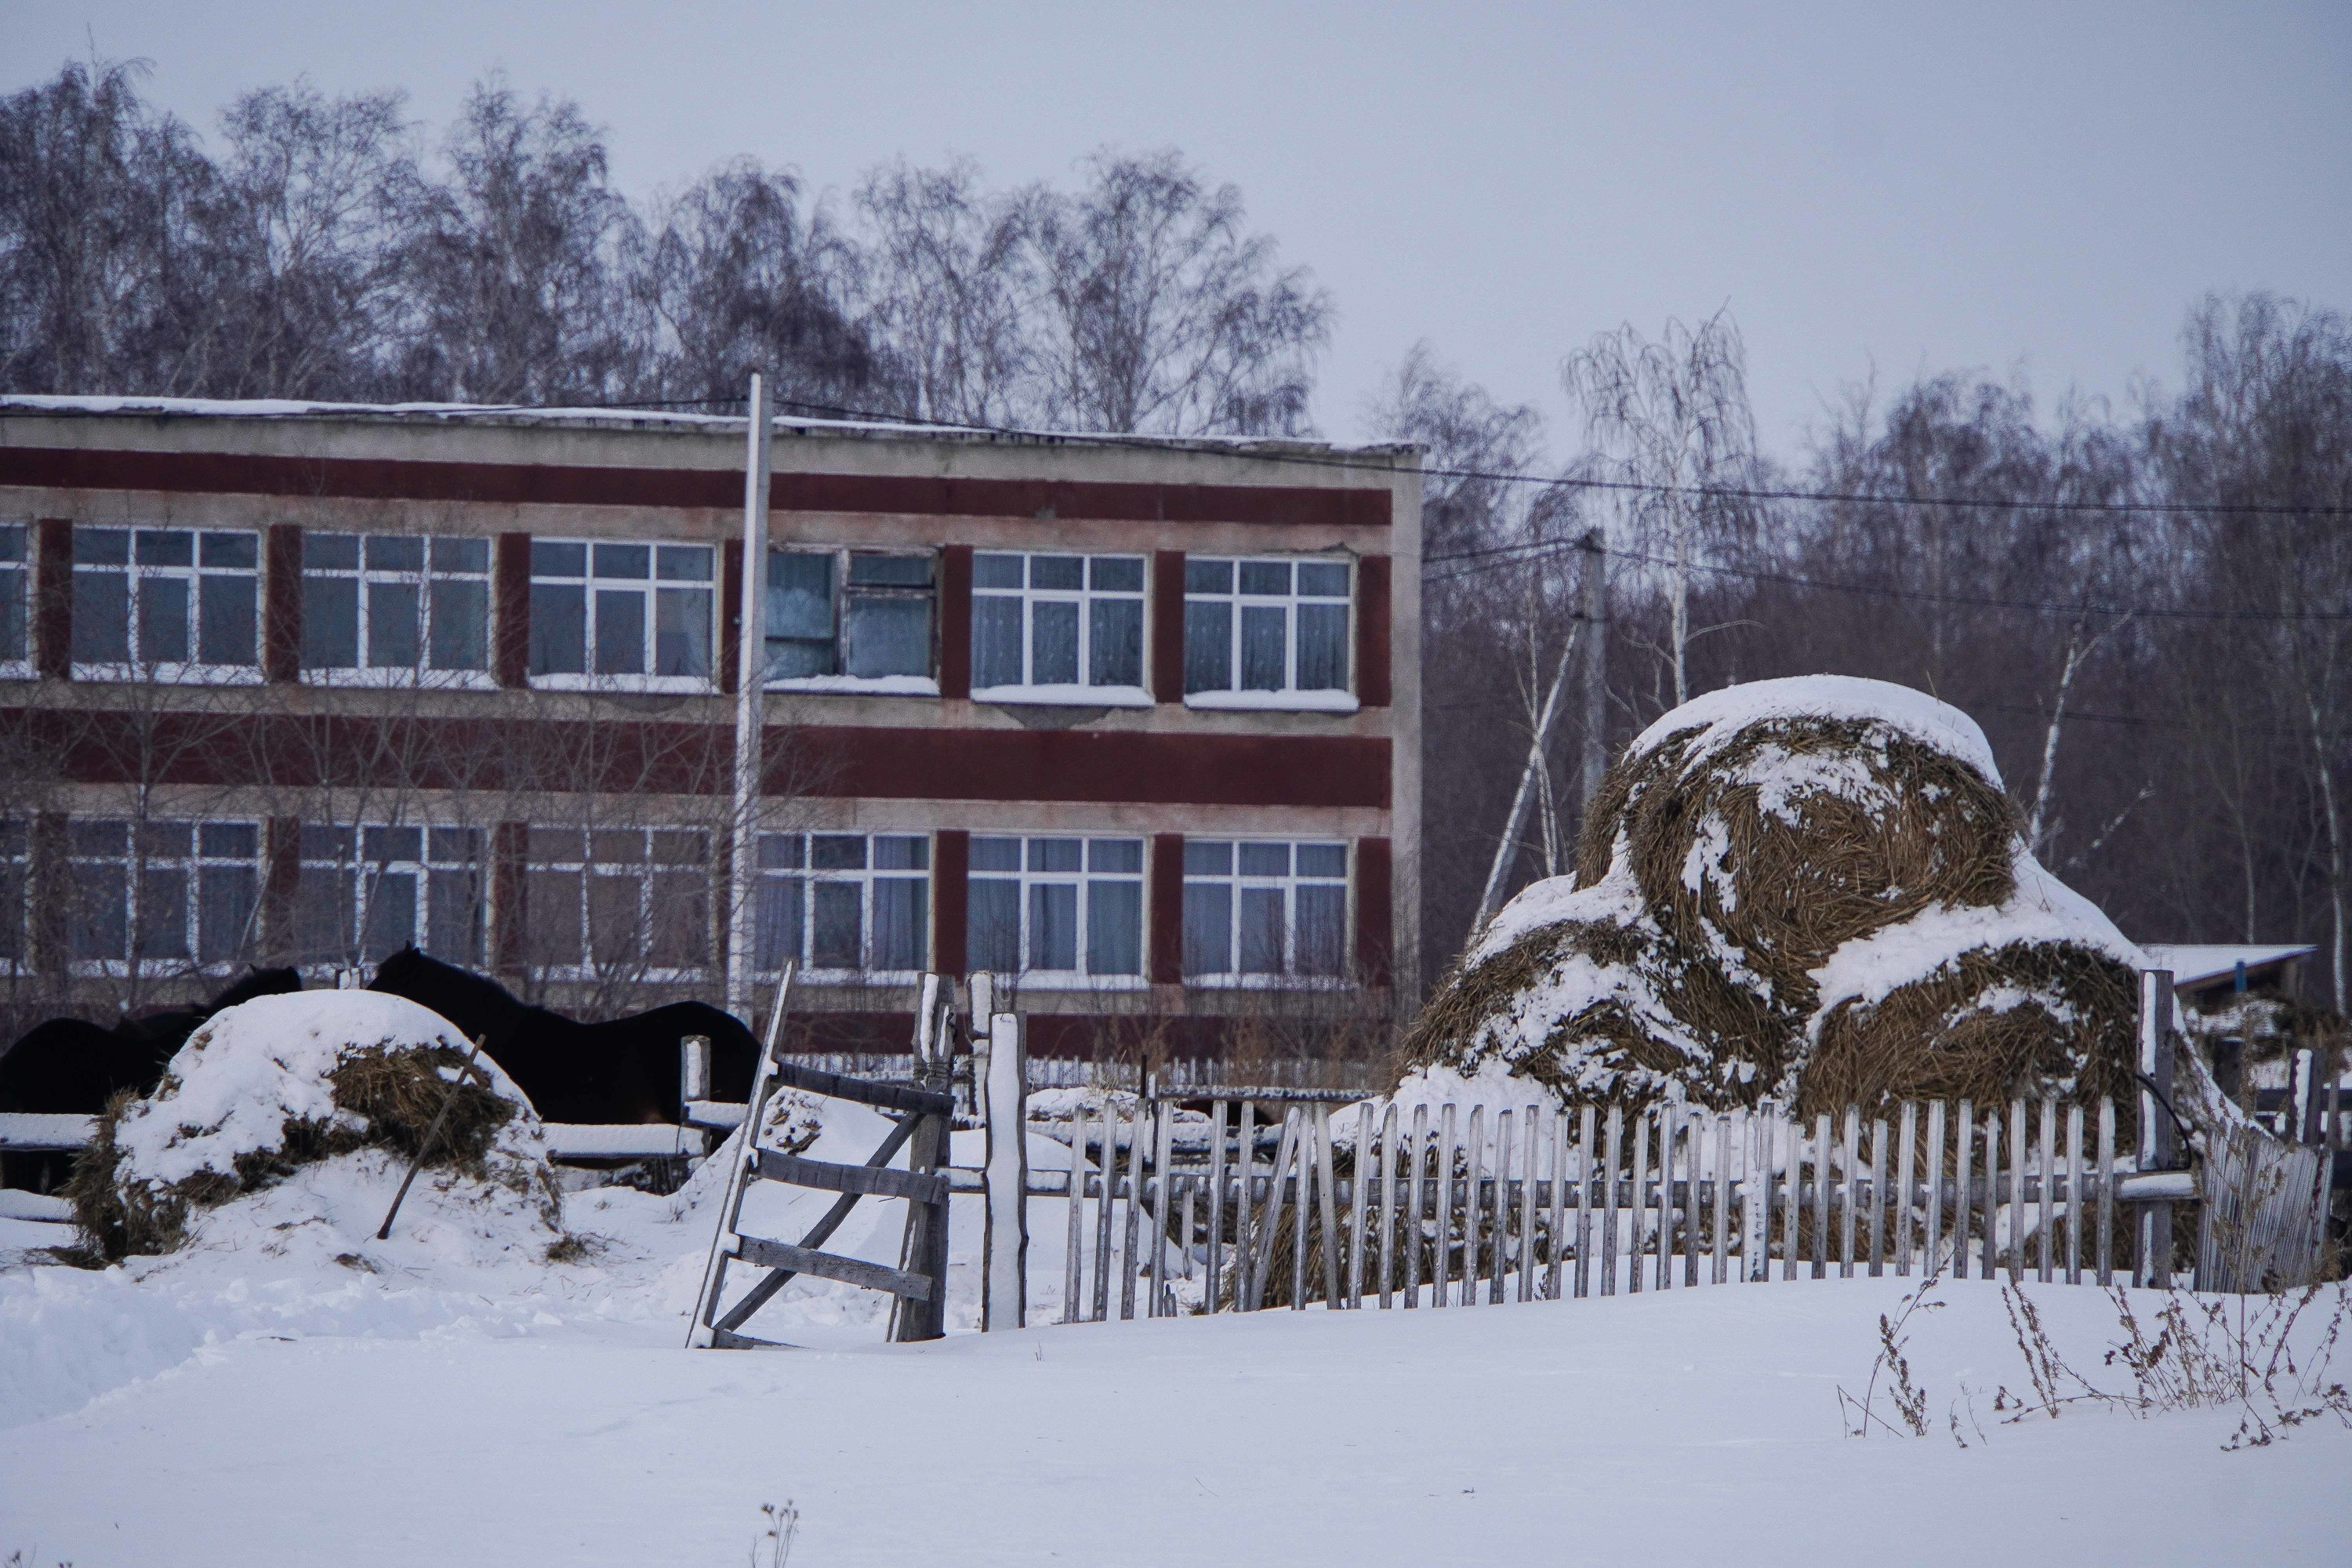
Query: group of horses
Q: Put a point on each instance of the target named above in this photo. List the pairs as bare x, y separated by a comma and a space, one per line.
620, 1070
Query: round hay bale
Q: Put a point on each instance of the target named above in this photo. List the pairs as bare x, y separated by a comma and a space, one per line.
280, 1082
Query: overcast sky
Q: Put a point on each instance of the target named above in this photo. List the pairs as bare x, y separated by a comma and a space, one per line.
1875, 185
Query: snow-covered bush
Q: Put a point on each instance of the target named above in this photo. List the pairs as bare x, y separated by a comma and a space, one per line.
280, 1082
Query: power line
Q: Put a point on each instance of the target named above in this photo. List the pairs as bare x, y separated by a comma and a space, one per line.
1505, 476
1488, 560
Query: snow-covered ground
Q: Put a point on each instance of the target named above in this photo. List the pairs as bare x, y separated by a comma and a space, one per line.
289, 1391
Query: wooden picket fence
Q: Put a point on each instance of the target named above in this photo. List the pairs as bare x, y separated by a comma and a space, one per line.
1452, 1204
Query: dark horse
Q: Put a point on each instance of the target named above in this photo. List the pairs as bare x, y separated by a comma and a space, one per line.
75, 1066
626, 1069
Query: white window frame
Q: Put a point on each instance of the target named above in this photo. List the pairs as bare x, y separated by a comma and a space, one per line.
773, 847
16, 562
135, 571
193, 864
1289, 697
1087, 881
1289, 883
1083, 691
424, 672
366, 872
644, 871
843, 591
591, 585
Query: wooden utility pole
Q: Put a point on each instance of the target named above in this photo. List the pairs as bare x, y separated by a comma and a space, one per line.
751, 718
1595, 624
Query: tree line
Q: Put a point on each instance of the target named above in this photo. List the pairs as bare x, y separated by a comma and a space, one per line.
2147, 607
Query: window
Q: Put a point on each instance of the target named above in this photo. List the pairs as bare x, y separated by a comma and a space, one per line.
167, 601
1255, 909
851, 618
363, 894
15, 589
634, 613
173, 894
617, 900
1060, 627
1265, 633
1057, 906
844, 903
393, 606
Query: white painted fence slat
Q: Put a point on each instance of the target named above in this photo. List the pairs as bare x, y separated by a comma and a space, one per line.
1906, 1160
2073, 1195
1877, 1196
1932, 1260
1965, 1129
2042, 1250
1824, 1187
1852, 1159
2107, 1193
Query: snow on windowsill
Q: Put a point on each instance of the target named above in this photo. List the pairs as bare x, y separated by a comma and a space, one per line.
1331, 983
628, 684
861, 685
1274, 701
402, 679
173, 674
1066, 696
1062, 980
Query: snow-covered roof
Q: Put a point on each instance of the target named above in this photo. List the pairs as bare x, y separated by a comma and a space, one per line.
2200, 964
657, 419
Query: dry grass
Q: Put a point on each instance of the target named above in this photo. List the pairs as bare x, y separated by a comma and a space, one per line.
1780, 879
395, 1091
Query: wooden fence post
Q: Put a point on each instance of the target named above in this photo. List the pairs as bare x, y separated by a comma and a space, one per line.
2153, 1234
1003, 1284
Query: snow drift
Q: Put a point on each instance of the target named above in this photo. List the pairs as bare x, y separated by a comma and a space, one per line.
267, 1087
1812, 889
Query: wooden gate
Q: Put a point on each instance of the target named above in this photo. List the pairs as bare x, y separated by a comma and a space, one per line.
918, 1285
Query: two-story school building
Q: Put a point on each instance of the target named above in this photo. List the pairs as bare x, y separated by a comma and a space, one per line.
1134, 720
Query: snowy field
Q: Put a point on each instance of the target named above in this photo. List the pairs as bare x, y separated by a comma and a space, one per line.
289, 1391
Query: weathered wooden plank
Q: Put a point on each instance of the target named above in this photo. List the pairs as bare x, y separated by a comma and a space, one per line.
1073, 1260
900, 1097
2074, 1195
1964, 1130
2107, 1193
1216, 1259
1442, 1282
762, 1292
1907, 1150
1390, 1177
1824, 1188
1877, 1196
1270, 1215
1527, 1204
1614, 1153
1989, 1260
866, 1181
1245, 1156
1792, 1225
1931, 1259
1474, 1152
1414, 1157
701, 1327
1104, 1215
1559, 1179
1853, 1166
1004, 1240
1130, 1234
899, 1282
1358, 1203
2152, 1262
1160, 1148
2020, 1160
1641, 1201
2041, 1253
1498, 1244
1330, 1209
1722, 1200
1303, 1212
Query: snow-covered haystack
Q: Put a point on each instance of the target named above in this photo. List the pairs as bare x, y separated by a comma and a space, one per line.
1814, 889
267, 1087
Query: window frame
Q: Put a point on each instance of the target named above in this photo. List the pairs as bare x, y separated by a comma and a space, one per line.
864, 877
1084, 691
424, 673
365, 874
842, 591
1289, 697
135, 571
1081, 978
642, 969
135, 862
591, 585
16, 561
1290, 881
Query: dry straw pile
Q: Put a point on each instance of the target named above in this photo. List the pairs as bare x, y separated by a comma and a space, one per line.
1812, 889
271, 1086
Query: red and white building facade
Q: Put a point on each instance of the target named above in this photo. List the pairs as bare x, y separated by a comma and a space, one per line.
1133, 721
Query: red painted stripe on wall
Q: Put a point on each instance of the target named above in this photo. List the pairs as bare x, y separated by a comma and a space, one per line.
1168, 626
1167, 962
542, 485
1375, 911
1373, 631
